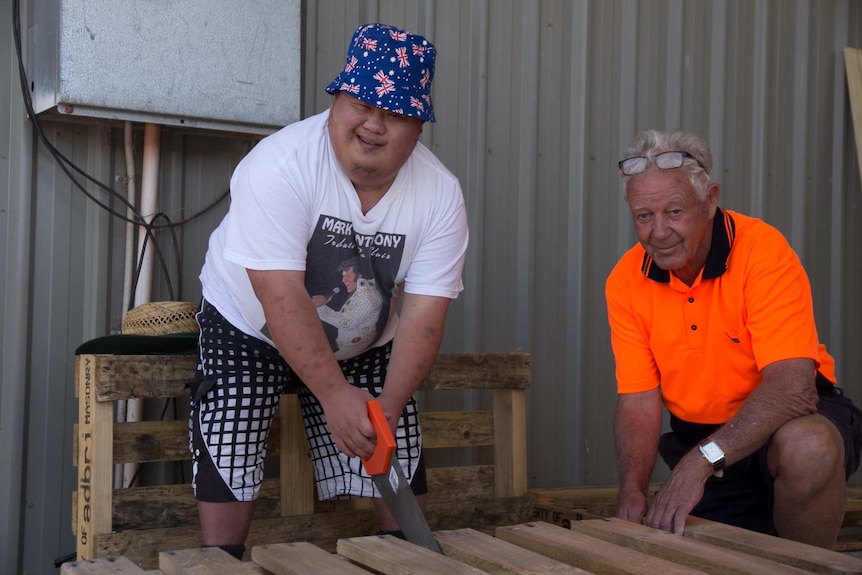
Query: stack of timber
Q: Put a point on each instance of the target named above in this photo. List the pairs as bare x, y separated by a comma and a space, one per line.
139, 522
565, 505
600, 546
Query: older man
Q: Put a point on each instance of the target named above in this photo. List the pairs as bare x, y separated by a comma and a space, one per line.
351, 182
711, 316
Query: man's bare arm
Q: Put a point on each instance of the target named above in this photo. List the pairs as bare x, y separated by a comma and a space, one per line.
298, 334
417, 341
637, 426
787, 391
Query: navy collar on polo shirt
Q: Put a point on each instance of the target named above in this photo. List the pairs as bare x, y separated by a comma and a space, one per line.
723, 234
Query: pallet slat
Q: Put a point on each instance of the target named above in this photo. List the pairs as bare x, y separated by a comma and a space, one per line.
302, 559
682, 550
149, 376
95, 453
295, 468
582, 497
586, 552
142, 376
807, 557
105, 566
494, 555
147, 441
853, 66
457, 371
206, 561
392, 556
510, 442
161, 506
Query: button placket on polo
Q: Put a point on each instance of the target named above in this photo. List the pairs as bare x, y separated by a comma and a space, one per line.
693, 313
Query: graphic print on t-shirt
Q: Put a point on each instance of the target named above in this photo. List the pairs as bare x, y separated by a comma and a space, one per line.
350, 278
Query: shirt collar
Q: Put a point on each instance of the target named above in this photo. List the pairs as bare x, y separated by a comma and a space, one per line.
723, 234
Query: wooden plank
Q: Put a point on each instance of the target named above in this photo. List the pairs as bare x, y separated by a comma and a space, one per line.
494, 555
562, 506
582, 497
302, 559
849, 539
75, 513
161, 506
322, 529
807, 557
392, 556
586, 552
479, 371
296, 473
143, 441
205, 561
147, 376
853, 514
854, 490
143, 376
682, 550
853, 65
466, 483
510, 442
167, 440
95, 471
106, 566
564, 516
456, 428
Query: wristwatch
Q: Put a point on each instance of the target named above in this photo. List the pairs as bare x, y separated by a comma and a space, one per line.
712, 453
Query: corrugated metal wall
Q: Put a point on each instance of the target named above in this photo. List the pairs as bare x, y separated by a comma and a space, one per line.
535, 101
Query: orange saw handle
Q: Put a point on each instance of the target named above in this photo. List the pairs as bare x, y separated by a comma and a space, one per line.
379, 462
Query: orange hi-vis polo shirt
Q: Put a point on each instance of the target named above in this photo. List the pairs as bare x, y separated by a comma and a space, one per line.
706, 345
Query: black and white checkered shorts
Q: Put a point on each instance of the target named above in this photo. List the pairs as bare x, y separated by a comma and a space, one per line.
235, 397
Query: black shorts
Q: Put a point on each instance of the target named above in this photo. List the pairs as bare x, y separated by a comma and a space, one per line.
743, 495
235, 397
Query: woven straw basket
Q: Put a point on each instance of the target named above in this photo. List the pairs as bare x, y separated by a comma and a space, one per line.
161, 318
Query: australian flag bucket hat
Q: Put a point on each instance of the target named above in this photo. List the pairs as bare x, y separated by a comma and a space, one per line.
390, 69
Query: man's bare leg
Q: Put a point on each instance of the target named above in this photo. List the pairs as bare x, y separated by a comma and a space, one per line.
225, 523
806, 459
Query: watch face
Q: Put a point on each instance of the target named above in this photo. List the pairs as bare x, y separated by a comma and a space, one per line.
712, 452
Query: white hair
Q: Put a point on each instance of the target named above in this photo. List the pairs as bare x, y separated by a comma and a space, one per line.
653, 142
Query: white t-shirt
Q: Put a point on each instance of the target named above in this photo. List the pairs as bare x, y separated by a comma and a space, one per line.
294, 208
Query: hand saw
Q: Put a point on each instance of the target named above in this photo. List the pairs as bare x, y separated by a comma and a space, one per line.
393, 486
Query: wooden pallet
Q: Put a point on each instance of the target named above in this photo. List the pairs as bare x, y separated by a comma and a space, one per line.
601, 546
139, 522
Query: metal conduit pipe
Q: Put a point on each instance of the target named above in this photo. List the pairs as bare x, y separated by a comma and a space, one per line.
129, 263
143, 292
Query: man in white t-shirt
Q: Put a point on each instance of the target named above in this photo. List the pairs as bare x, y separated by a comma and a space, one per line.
350, 184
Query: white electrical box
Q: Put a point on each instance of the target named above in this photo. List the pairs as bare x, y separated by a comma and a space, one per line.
218, 64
